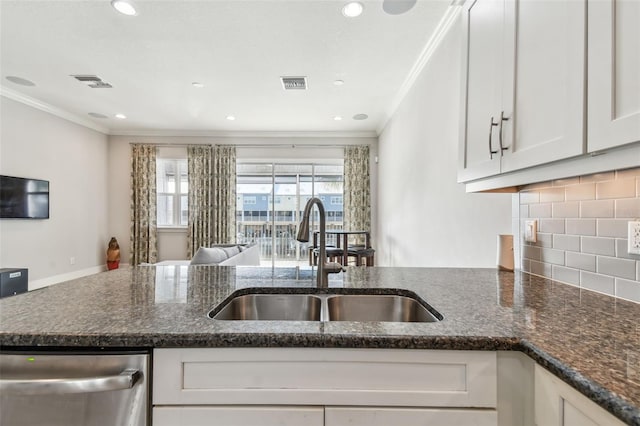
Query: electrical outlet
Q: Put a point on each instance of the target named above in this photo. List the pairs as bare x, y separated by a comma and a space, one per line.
72, 261
634, 237
531, 231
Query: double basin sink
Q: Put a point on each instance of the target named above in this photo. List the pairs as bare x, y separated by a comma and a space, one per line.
271, 305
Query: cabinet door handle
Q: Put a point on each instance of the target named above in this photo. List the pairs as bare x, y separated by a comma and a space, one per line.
502, 120
491, 151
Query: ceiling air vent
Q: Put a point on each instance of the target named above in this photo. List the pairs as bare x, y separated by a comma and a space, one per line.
92, 81
294, 83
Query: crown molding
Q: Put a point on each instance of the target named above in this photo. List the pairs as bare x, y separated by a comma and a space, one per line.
245, 134
58, 112
427, 52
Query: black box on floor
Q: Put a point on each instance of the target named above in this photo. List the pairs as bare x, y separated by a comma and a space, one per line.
13, 281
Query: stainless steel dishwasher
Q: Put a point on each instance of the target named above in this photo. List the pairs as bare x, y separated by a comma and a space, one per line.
74, 389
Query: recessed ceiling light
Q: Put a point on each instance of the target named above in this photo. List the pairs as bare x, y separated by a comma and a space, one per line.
338, 82
21, 81
337, 118
397, 7
360, 117
231, 117
97, 115
196, 84
121, 116
126, 7
352, 9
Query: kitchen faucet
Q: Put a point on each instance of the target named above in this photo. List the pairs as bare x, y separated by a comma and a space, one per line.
324, 268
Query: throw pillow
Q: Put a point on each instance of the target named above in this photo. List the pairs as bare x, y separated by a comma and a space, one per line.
208, 255
231, 251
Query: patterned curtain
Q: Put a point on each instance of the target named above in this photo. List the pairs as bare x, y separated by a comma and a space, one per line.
357, 198
199, 160
224, 194
143, 239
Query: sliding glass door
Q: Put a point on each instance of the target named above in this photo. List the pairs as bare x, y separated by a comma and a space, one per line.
270, 201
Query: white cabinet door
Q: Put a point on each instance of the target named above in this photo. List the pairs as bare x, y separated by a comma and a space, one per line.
557, 404
371, 416
481, 90
614, 73
238, 416
544, 98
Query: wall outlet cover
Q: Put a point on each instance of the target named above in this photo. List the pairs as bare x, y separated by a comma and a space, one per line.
531, 231
634, 237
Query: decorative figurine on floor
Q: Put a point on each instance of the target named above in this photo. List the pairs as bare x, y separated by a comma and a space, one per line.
113, 254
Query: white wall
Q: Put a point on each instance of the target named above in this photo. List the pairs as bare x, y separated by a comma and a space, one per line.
424, 217
73, 158
173, 244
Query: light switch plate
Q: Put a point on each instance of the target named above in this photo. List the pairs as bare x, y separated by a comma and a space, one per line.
634, 237
531, 231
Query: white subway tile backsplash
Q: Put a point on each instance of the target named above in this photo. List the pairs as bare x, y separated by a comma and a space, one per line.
585, 191
567, 209
619, 188
598, 177
554, 226
549, 255
581, 227
627, 289
539, 268
612, 228
549, 195
597, 245
566, 242
628, 207
566, 182
585, 262
531, 252
529, 197
597, 208
622, 247
623, 268
566, 275
597, 282
582, 231
540, 210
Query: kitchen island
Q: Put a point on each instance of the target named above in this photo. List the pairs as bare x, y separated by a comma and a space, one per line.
589, 340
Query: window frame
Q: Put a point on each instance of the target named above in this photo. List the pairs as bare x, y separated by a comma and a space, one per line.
181, 165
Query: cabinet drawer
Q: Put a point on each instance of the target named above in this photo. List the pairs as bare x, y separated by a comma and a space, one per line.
353, 416
238, 416
310, 376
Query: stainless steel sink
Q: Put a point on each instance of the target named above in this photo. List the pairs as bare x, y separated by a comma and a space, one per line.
272, 307
384, 308
325, 306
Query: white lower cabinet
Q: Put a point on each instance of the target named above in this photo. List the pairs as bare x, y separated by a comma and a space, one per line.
558, 404
365, 416
310, 386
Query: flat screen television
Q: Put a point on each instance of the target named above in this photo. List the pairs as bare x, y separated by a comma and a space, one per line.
22, 198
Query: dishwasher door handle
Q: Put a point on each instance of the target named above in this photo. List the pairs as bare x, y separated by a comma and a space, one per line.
125, 380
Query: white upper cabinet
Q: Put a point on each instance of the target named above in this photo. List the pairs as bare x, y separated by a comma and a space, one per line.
524, 85
481, 89
614, 73
544, 95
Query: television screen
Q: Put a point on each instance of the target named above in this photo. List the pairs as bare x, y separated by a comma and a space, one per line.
23, 198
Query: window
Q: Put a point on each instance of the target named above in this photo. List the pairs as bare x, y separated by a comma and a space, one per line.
172, 188
337, 200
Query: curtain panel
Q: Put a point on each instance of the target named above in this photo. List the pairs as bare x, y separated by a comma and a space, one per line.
143, 236
224, 194
357, 192
199, 164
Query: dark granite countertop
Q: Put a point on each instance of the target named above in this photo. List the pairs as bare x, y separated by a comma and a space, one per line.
591, 341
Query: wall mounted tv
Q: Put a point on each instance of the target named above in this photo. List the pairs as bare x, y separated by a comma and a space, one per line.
22, 198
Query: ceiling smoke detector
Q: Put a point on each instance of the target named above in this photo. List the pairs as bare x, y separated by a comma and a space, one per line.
92, 81
294, 83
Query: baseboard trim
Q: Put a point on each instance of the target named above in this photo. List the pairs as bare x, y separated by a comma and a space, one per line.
45, 282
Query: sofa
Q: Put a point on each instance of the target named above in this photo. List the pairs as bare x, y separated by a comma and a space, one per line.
222, 255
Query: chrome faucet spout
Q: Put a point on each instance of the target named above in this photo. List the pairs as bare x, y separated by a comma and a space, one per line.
324, 269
